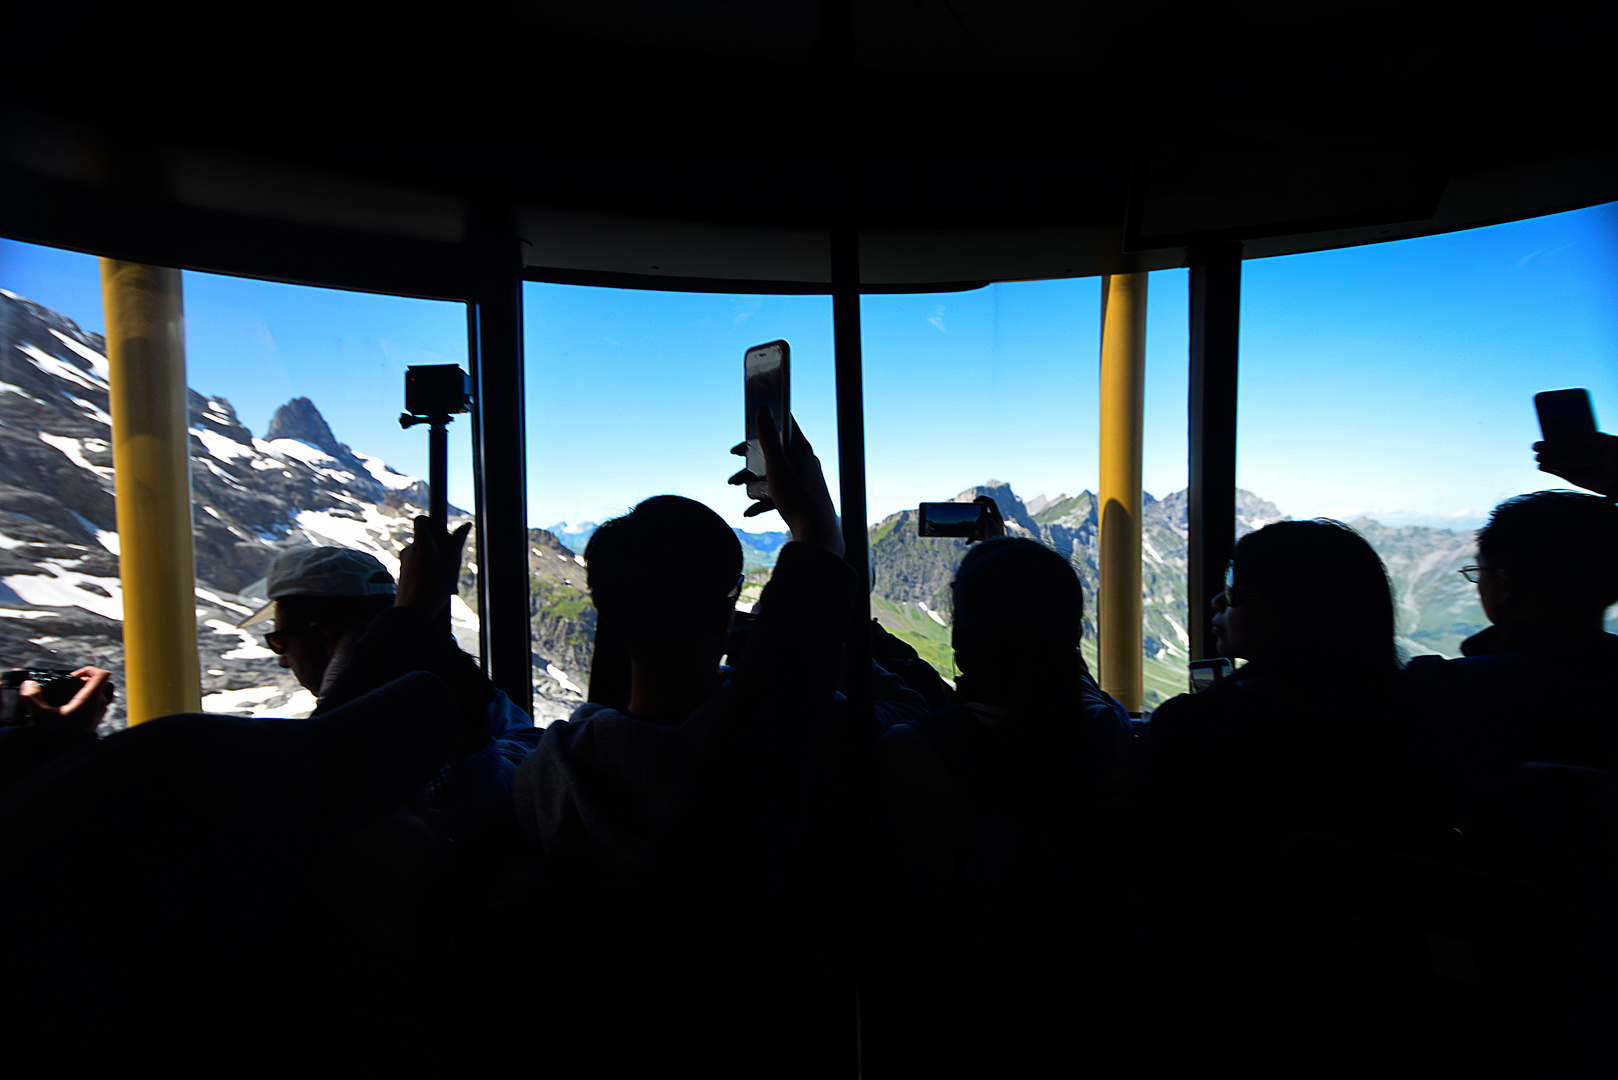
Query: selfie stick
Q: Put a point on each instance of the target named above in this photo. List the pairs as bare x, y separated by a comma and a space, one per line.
437, 464
433, 392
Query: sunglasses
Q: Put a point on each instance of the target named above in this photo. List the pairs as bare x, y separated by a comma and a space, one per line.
1234, 592
277, 640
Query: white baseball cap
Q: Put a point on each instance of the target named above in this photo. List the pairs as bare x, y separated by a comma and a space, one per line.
322, 571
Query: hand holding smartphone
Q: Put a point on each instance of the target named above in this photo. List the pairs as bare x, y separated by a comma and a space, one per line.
1573, 448
766, 384
968, 520
977, 520
1565, 416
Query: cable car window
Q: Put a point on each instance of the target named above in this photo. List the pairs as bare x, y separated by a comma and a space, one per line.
996, 391
632, 394
1391, 386
295, 439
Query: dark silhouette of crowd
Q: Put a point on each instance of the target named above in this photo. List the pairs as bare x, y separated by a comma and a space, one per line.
739, 858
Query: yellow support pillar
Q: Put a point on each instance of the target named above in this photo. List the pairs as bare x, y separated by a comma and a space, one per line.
150, 453
1123, 406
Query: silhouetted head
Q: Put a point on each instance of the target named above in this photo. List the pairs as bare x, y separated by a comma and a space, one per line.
1549, 556
664, 575
1304, 594
1018, 604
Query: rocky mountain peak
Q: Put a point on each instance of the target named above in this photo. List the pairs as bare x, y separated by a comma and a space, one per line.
1005, 500
299, 419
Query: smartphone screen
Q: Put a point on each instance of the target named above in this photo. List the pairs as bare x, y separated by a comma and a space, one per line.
766, 384
1564, 415
1205, 673
951, 519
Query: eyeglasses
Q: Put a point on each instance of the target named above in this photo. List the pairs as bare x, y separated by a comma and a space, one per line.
1233, 592
1471, 573
736, 589
277, 640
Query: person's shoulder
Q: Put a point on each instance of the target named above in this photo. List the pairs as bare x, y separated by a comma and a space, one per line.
1426, 665
1205, 713
961, 716
1214, 699
803, 565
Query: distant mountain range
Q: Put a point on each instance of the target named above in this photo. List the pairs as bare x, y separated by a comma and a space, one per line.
758, 549
60, 596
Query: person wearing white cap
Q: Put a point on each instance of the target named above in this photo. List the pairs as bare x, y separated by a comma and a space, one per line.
343, 626
322, 599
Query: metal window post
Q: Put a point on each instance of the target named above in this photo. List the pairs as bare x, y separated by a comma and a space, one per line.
145, 320
1216, 299
495, 342
1123, 402
850, 406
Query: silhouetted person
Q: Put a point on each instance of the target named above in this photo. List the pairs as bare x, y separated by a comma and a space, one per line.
1265, 801
261, 878
1531, 704
321, 600
994, 906
669, 823
1314, 722
664, 580
1537, 684
342, 627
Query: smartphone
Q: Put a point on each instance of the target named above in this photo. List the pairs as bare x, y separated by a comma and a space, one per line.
952, 519
1205, 673
767, 384
1565, 415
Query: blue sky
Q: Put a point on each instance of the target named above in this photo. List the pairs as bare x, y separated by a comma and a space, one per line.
1393, 380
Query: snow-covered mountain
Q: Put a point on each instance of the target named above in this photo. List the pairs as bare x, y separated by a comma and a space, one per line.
60, 598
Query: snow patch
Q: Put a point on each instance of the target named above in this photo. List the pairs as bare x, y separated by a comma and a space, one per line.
297, 448
561, 677
98, 362
213, 467
257, 703
346, 531
931, 613
250, 648
221, 446
65, 588
462, 617
97, 413
219, 601
385, 476
60, 368
1179, 631
18, 613
13, 388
